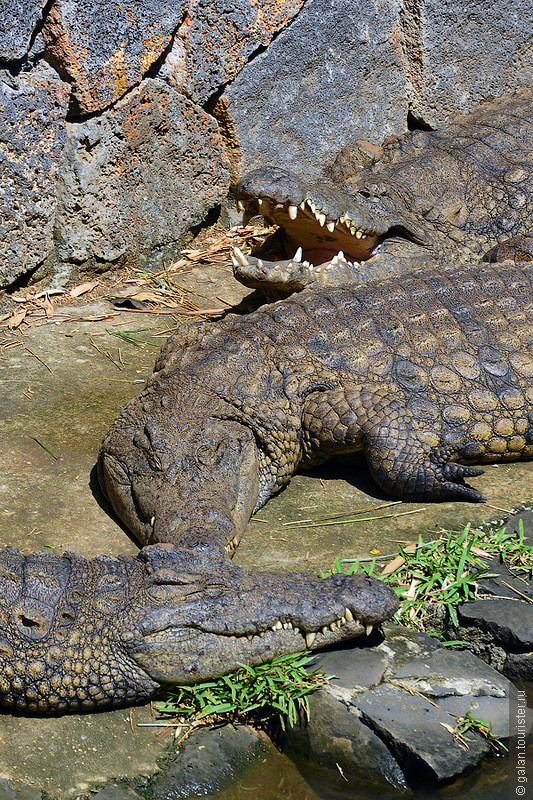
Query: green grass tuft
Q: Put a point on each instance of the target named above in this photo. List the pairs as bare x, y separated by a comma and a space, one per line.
278, 688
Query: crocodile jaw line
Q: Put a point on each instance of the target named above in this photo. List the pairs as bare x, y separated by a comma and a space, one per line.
168, 660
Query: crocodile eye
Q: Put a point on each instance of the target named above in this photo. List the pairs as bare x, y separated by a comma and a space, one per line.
209, 455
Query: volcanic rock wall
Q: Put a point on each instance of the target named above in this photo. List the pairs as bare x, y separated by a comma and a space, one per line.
121, 125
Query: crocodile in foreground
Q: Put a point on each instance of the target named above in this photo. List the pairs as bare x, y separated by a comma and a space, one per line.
426, 374
426, 198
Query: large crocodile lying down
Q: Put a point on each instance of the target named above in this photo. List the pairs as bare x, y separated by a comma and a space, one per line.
429, 197
83, 635
426, 374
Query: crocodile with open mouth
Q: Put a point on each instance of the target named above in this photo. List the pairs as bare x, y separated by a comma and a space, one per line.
426, 198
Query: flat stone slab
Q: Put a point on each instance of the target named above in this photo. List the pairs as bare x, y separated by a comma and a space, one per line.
335, 735
416, 732
73, 754
452, 672
510, 621
407, 690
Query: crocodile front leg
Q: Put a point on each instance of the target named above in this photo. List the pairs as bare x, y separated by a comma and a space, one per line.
407, 454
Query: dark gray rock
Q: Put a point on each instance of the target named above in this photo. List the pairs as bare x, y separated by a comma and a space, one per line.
414, 730
504, 583
336, 736
409, 715
482, 707
105, 53
364, 670
17, 23
207, 761
461, 54
333, 76
218, 39
519, 667
136, 178
340, 72
452, 673
509, 621
33, 135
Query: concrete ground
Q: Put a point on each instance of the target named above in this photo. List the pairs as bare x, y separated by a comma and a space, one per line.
61, 384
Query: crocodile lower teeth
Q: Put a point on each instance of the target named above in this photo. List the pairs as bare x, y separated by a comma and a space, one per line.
309, 639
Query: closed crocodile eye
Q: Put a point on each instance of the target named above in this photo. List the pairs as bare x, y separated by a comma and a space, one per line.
209, 455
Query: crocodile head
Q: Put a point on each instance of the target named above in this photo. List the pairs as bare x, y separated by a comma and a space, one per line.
210, 616
171, 479
79, 635
327, 234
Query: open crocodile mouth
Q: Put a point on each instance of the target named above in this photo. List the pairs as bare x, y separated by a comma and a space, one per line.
324, 230
320, 234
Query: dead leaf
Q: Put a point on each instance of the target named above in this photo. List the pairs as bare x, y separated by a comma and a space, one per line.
477, 551
82, 288
399, 561
16, 320
46, 303
448, 728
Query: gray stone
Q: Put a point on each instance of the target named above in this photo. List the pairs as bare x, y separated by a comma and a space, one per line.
415, 731
105, 53
208, 761
32, 138
490, 709
137, 178
519, 667
336, 735
364, 669
333, 76
461, 54
448, 672
510, 621
17, 22
504, 583
218, 39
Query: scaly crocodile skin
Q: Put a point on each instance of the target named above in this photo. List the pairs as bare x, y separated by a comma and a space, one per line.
424, 373
427, 198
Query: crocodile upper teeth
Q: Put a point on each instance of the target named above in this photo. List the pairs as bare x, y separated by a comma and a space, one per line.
330, 226
321, 219
293, 212
240, 257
